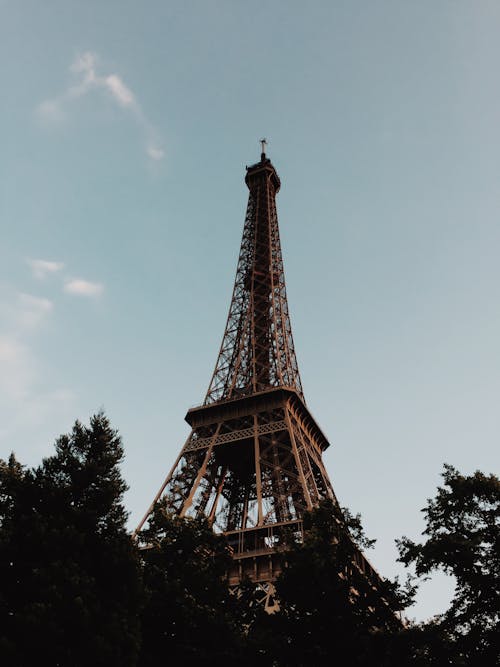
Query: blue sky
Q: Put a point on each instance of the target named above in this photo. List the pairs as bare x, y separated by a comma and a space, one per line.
126, 128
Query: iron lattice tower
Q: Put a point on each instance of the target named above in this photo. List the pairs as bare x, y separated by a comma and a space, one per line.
252, 463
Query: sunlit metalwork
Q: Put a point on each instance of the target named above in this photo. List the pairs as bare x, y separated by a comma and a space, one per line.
252, 463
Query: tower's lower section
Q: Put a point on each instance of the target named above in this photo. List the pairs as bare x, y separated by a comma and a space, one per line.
252, 466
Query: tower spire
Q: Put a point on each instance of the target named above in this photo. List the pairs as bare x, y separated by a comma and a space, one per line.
257, 350
263, 144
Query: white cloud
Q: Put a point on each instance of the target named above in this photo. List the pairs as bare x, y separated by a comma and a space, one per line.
32, 310
10, 351
83, 288
28, 402
27, 406
21, 313
51, 111
41, 268
85, 67
155, 153
119, 90
17, 369
85, 62
40, 405
21, 316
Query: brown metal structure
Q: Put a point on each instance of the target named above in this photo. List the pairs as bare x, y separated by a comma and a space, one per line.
252, 463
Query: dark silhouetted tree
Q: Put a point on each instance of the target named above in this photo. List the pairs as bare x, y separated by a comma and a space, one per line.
190, 615
328, 610
463, 540
70, 585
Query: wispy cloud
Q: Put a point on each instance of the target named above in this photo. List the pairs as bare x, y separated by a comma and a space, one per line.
89, 80
32, 310
32, 401
26, 400
83, 288
85, 66
51, 111
22, 313
119, 90
41, 268
17, 369
155, 153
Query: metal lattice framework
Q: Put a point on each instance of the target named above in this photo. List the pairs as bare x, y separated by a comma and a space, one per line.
252, 463
257, 350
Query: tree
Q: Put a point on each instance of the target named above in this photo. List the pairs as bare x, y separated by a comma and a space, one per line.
463, 540
328, 608
70, 582
189, 614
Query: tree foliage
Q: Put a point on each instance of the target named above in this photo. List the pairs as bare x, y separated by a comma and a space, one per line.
328, 607
75, 589
189, 614
463, 539
70, 588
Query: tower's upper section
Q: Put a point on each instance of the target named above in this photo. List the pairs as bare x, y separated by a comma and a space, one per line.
257, 351
262, 170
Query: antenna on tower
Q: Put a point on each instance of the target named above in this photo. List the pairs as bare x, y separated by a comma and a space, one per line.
263, 143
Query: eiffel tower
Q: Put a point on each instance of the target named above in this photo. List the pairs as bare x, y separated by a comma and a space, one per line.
252, 464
